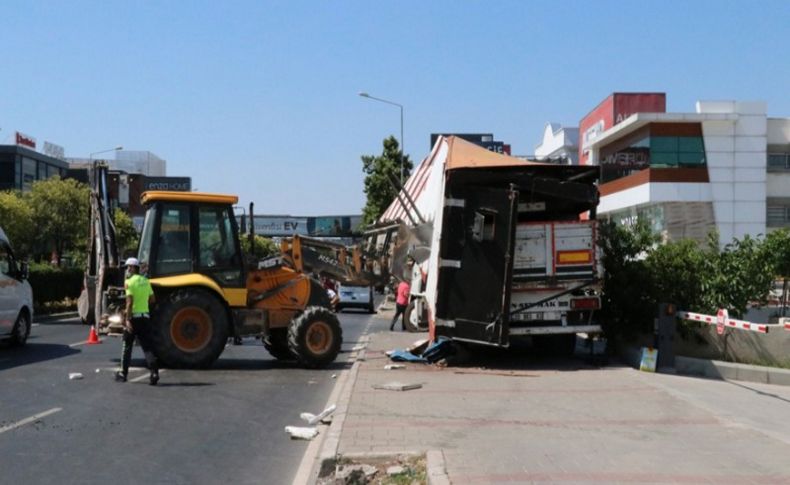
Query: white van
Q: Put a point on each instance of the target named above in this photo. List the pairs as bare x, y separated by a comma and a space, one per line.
16, 296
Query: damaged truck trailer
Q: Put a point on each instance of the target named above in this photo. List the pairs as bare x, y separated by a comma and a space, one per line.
505, 248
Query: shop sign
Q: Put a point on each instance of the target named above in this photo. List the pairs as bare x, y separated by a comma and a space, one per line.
25, 140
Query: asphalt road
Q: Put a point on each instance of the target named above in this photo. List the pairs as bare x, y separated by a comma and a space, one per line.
223, 425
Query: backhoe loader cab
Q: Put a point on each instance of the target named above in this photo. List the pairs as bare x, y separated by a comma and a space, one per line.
205, 293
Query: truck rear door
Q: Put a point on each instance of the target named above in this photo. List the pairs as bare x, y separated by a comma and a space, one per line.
476, 265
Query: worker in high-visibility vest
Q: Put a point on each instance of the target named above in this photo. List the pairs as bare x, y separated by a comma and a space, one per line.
139, 297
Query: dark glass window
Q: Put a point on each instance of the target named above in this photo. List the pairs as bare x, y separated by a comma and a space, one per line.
658, 145
173, 255
217, 249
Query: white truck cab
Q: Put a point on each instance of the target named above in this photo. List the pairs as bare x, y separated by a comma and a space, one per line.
16, 296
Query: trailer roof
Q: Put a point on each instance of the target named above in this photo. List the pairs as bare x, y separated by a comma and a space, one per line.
465, 154
209, 198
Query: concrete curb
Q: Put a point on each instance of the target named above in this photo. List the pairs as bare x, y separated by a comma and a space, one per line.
327, 455
717, 369
436, 469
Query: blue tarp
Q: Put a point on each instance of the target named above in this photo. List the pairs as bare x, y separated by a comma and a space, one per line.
436, 351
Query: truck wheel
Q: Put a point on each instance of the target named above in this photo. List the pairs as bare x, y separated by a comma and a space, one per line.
277, 344
21, 330
190, 329
314, 337
420, 323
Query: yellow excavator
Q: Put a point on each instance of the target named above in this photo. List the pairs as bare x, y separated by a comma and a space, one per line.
207, 292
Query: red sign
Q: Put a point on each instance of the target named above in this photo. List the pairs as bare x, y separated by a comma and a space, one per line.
613, 110
721, 320
25, 140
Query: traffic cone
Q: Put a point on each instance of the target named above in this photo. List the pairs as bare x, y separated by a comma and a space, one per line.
93, 338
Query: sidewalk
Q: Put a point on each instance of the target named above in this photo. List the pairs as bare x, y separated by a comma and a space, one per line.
549, 422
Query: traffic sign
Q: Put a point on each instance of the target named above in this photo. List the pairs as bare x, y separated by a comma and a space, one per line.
721, 320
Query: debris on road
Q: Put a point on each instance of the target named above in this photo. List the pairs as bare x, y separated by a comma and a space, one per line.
396, 470
301, 433
359, 347
312, 419
98, 370
424, 352
334, 376
354, 473
396, 386
394, 366
75, 376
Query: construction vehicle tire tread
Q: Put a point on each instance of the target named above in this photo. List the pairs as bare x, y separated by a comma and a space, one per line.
314, 337
203, 302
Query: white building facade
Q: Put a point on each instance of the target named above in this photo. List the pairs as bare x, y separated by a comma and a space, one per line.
559, 144
724, 167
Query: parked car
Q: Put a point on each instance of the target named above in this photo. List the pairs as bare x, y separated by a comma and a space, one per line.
356, 297
16, 296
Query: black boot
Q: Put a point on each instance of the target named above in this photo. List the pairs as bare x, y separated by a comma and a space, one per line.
154, 378
120, 377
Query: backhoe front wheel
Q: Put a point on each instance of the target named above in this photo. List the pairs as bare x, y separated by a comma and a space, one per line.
314, 337
190, 329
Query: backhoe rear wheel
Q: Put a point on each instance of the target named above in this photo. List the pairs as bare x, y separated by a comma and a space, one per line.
314, 337
277, 344
190, 329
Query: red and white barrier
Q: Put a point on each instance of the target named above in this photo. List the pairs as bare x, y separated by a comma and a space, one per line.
723, 320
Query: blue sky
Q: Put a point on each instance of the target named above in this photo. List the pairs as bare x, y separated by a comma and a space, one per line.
260, 98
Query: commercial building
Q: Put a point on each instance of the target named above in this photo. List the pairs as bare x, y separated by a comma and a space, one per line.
20, 166
725, 166
559, 144
130, 161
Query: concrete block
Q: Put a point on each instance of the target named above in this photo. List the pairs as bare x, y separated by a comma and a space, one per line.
751, 126
722, 370
715, 106
751, 143
719, 143
723, 211
722, 191
779, 377
718, 128
750, 191
721, 174
751, 107
752, 373
750, 174
719, 159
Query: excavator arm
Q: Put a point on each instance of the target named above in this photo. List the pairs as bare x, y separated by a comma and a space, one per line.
348, 265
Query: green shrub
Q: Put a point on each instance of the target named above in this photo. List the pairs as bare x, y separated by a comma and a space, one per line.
53, 284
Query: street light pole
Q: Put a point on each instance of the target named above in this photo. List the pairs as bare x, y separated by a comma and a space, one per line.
402, 149
105, 151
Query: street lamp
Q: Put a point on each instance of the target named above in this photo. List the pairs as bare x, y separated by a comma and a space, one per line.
366, 95
105, 151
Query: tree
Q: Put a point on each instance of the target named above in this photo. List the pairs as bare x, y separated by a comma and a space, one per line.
16, 217
378, 170
776, 249
126, 235
60, 214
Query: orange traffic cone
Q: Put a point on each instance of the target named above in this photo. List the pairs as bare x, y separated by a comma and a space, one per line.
93, 338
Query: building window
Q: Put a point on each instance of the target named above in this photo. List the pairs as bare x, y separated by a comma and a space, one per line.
658, 145
28, 173
778, 215
779, 161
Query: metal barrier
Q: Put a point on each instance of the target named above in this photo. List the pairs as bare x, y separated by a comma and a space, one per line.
722, 321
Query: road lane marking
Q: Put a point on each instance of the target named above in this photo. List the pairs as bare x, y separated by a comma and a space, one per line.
31, 419
142, 377
35, 324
